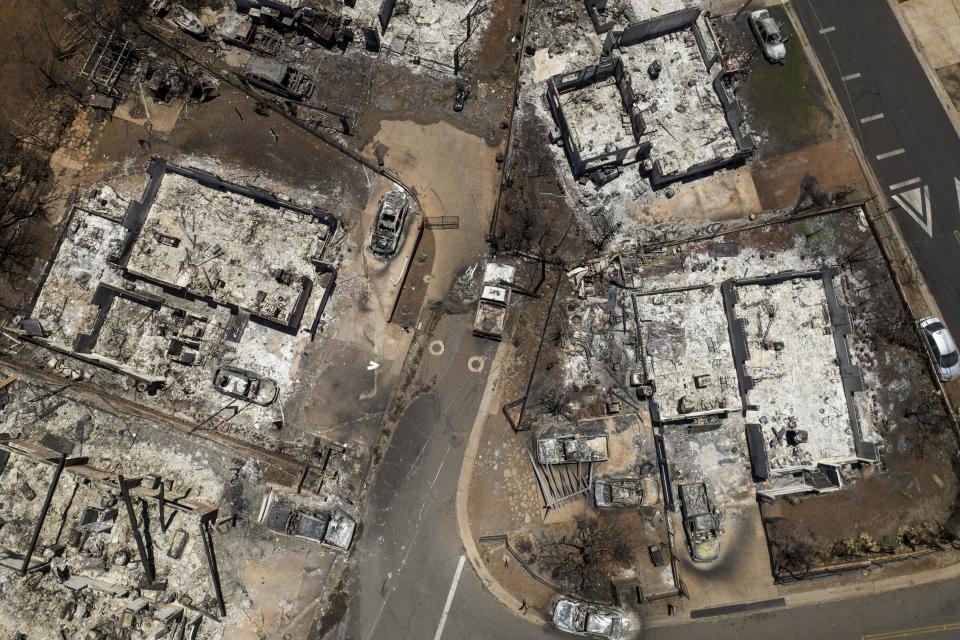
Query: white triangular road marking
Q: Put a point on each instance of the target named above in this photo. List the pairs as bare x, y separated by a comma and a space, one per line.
373, 366
916, 204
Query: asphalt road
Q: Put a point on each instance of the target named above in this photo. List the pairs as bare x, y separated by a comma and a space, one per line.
905, 133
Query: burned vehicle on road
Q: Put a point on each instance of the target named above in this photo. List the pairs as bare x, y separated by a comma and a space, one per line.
589, 620
699, 522
388, 226
332, 528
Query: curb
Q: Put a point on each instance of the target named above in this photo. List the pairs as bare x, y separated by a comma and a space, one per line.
489, 583
928, 69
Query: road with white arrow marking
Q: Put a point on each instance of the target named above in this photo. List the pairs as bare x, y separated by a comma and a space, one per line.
903, 129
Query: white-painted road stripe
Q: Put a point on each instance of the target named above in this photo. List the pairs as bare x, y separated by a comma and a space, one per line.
891, 154
453, 590
905, 183
827, 30
878, 116
852, 76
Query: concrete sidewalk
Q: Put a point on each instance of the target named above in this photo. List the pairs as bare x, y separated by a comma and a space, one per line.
933, 29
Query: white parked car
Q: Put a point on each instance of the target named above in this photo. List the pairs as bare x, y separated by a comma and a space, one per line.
767, 32
942, 348
589, 620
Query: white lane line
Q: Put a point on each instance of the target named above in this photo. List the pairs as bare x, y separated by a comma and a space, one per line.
905, 183
852, 76
878, 116
827, 30
453, 590
891, 154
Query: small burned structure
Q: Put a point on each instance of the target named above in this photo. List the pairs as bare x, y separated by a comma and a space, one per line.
245, 385
323, 27
107, 69
276, 77
566, 446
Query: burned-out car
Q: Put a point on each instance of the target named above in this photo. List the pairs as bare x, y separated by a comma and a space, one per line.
699, 522
589, 620
627, 492
388, 226
278, 78
333, 528
491, 317
245, 385
767, 32
571, 447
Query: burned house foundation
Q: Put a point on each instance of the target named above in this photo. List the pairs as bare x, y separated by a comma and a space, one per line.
770, 352
660, 96
193, 277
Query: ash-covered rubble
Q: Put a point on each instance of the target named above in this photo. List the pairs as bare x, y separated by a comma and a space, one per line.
683, 119
178, 298
720, 335
438, 36
116, 527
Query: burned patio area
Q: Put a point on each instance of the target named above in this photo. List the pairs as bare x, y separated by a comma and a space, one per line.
686, 333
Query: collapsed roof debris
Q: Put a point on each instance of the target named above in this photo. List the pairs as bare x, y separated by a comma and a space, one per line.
435, 34
689, 354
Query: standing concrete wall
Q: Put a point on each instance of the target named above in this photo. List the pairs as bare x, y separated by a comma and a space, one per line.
656, 27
